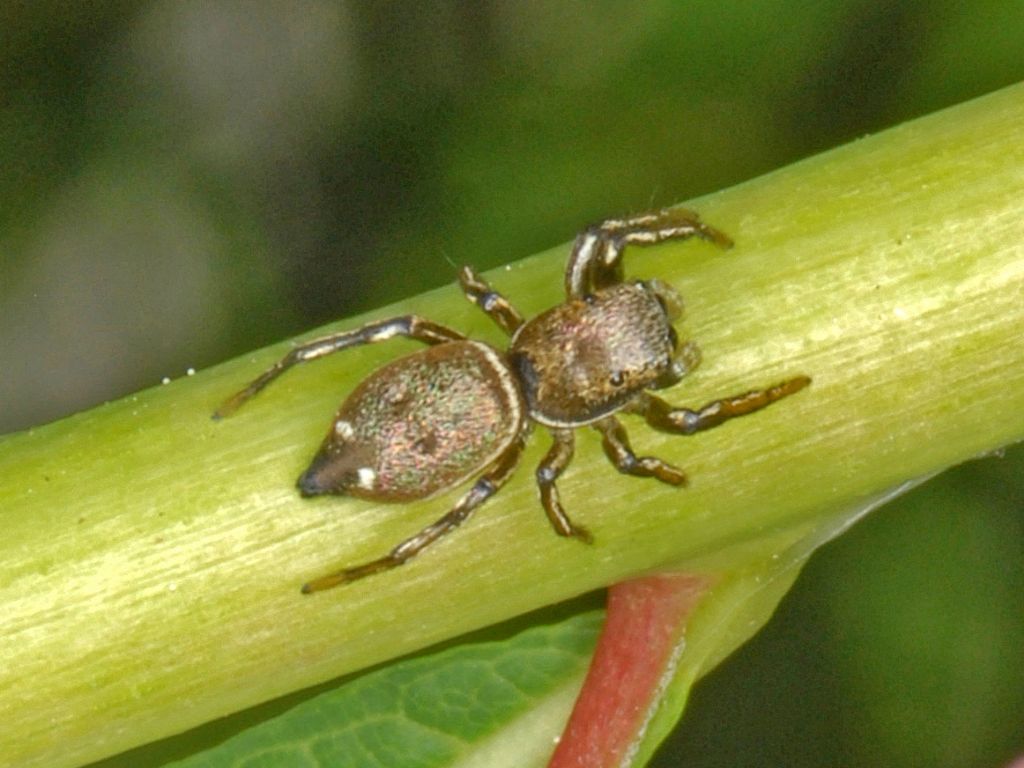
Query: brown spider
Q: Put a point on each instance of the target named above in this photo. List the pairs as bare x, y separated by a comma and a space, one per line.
462, 408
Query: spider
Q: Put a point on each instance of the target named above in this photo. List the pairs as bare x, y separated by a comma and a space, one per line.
463, 409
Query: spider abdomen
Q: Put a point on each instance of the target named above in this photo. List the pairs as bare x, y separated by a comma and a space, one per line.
419, 425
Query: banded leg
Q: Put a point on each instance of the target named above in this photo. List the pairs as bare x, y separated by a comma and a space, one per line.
596, 259
488, 484
617, 449
663, 416
411, 326
496, 306
551, 466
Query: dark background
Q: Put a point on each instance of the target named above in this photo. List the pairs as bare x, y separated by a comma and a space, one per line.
181, 182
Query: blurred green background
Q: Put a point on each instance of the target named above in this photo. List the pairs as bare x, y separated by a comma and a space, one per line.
181, 182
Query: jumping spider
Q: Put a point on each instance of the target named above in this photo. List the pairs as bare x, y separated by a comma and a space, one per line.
462, 408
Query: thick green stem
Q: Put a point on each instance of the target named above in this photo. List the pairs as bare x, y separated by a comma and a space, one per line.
151, 558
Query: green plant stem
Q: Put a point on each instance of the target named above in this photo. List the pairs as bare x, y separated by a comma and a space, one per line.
151, 558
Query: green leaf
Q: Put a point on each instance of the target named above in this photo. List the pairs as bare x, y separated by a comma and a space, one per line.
494, 703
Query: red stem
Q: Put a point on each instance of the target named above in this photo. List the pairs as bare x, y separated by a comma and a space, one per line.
634, 659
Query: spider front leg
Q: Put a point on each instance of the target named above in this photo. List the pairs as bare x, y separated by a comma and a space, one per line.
551, 466
685, 421
617, 449
411, 326
488, 484
496, 306
596, 259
